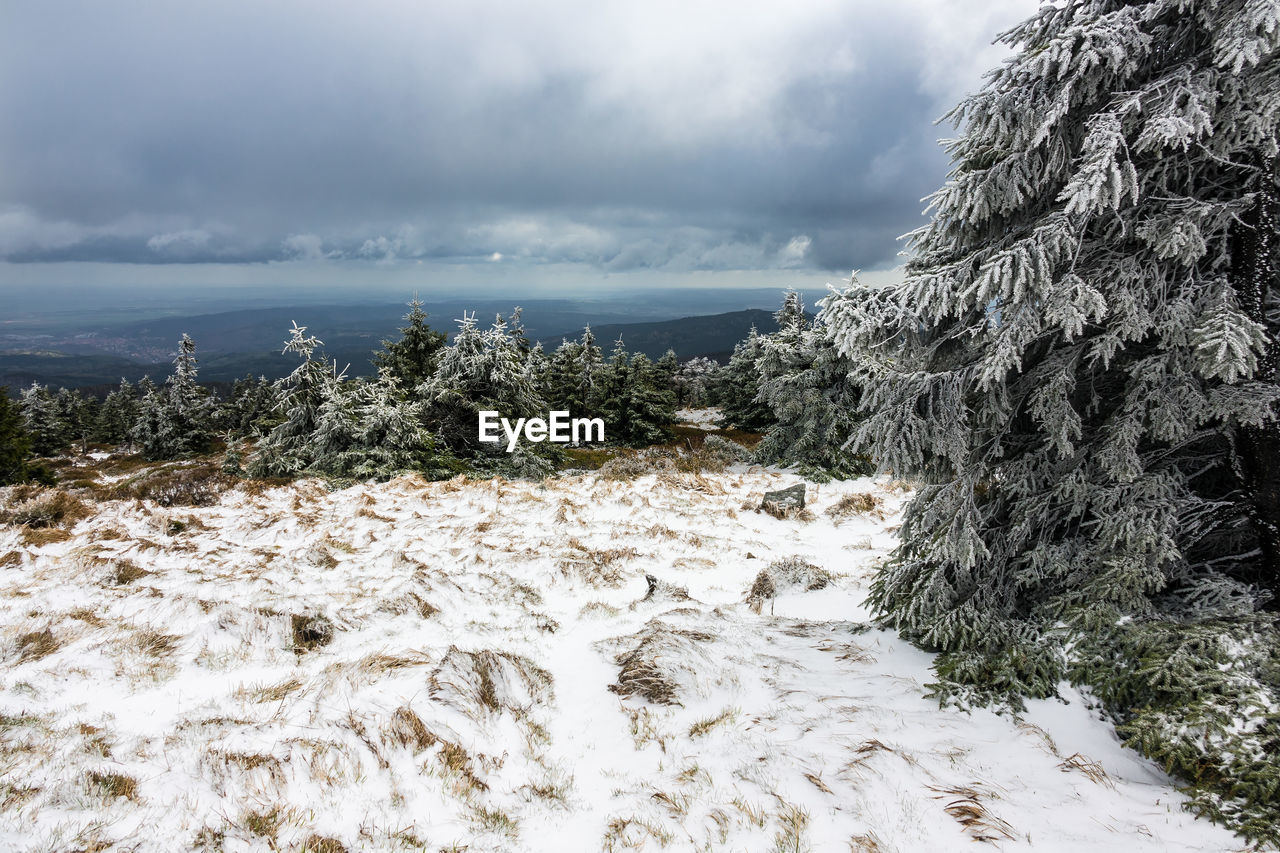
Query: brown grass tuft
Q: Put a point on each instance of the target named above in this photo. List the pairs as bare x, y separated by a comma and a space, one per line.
322, 844
310, 632
407, 729
35, 645
125, 572
968, 811
45, 508
112, 785
202, 484
40, 536
859, 503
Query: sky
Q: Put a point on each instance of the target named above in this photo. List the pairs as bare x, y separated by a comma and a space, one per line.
567, 144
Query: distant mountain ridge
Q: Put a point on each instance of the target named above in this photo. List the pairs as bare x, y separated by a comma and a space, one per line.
711, 335
231, 343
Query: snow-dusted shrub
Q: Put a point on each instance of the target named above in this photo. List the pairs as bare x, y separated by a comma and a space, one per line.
39, 507
792, 573
634, 465
726, 450
186, 485
310, 631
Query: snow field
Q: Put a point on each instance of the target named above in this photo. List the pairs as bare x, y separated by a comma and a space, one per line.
484, 666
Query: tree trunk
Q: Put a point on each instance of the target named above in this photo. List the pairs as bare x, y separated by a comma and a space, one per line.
1255, 261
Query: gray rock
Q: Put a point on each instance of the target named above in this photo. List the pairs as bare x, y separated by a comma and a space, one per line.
781, 501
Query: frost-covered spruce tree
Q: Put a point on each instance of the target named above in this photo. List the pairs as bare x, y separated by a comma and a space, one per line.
177, 420
738, 389
805, 382
485, 369
411, 359
559, 375
588, 370
15, 444
118, 414
1080, 370
253, 407
694, 382
77, 412
389, 437
286, 451
44, 424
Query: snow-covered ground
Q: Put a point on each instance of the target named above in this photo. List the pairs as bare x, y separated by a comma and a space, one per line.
420, 665
708, 419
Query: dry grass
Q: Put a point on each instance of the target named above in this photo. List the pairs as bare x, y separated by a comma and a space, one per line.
202, 484
868, 842
155, 644
597, 567
35, 645
789, 513
273, 693
793, 821
705, 725
263, 824
125, 572
310, 632
649, 669
632, 833
781, 575
968, 811
322, 844
38, 537
44, 508
406, 729
112, 786
489, 681
858, 503
1090, 768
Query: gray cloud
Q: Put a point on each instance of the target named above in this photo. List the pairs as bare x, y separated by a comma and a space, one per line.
664, 135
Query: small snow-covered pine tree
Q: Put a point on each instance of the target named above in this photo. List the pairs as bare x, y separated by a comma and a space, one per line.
43, 422
805, 382
15, 444
286, 451
118, 415
176, 421
411, 359
738, 390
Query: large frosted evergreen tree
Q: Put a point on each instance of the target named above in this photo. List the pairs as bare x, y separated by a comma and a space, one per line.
1080, 369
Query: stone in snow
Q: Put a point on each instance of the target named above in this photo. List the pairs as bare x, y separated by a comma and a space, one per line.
784, 499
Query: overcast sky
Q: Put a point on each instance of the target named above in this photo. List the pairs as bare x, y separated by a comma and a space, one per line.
786, 141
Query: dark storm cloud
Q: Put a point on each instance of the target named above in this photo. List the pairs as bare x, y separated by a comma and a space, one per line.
659, 135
